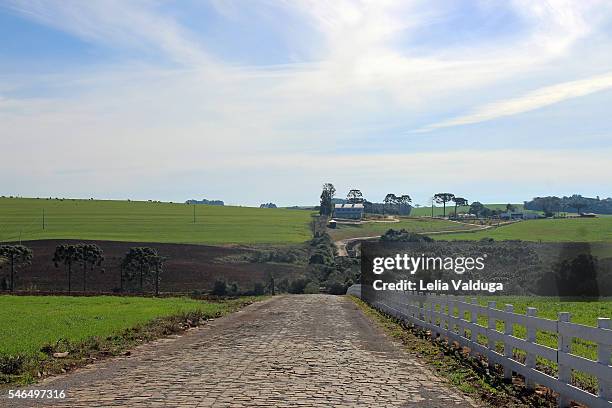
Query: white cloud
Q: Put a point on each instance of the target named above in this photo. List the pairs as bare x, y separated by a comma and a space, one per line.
201, 115
533, 100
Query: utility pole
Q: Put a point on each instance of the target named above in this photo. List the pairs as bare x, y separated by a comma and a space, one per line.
432, 205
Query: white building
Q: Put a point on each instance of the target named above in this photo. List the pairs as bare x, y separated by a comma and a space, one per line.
348, 211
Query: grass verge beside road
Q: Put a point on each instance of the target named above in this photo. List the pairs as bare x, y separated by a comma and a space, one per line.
454, 364
83, 329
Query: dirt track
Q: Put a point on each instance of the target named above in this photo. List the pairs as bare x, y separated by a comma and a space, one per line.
308, 350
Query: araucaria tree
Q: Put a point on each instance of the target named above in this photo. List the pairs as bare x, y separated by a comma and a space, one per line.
67, 255
143, 262
459, 201
90, 256
354, 196
443, 198
390, 199
16, 256
327, 196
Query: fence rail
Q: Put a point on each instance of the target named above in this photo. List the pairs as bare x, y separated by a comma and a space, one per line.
456, 319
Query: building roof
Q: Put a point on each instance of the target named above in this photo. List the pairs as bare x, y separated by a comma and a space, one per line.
355, 206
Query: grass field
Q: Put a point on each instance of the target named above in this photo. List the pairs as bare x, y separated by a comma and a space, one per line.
450, 209
419, 225
547, 230
29, 322
149, 222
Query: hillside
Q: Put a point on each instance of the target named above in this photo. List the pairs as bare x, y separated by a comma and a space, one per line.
419, 225
137, 221
450, 208
547, 230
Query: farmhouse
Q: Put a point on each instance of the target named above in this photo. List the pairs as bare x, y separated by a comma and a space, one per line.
350, 211
518, 216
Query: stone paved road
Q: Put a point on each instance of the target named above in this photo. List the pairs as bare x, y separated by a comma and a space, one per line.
309, 351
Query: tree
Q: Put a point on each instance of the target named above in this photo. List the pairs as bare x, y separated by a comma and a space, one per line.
443, 198
459, 201
157, 265
143, 262
510, 208
67, 254
578, 202
477, 208
16, 256
354, 196
404, 199
90, 255
327, 196
390, 199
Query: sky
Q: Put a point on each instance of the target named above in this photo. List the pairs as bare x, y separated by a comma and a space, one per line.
266, 100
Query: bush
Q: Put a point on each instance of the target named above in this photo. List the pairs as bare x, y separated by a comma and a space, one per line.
298, 285
404, 236
311, 288
219, 288
259, 289
11, 364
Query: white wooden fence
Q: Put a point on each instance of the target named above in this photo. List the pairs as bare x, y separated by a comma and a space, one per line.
446, 316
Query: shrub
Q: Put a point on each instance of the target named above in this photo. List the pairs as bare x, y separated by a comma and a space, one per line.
297, 286
258, 289
219, 288
311, 288
11, 364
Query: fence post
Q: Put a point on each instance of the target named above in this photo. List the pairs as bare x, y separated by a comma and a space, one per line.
530, 360
474, 321
564, 346
491, 327
460, 316
432, 318
508, 331
421, 305
603, 357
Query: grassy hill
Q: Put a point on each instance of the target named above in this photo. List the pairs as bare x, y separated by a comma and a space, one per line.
450, 208
149, 222
547, 230
419, 225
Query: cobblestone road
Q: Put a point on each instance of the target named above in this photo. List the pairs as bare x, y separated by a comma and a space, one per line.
310, 351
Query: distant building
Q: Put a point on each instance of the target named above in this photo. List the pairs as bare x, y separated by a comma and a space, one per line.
348, 211
518, 216
205, 202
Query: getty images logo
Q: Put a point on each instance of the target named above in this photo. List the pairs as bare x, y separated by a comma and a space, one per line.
412, 264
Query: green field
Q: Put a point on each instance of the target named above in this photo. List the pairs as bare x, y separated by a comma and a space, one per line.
450, 209
136, 221
419, 225
29, 322
547, 230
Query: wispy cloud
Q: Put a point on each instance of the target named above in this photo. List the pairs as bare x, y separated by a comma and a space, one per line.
168, 102
537, 99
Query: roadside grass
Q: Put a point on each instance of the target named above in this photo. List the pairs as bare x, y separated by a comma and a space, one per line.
548, 230
139, 221
418, 225
466, 373
32, 328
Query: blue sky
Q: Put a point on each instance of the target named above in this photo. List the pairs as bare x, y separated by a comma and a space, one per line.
262, 101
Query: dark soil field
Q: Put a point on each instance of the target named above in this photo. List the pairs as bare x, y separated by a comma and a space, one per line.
189, 268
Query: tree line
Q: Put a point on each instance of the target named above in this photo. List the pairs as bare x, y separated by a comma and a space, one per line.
392, 203
574, 203
141, 264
